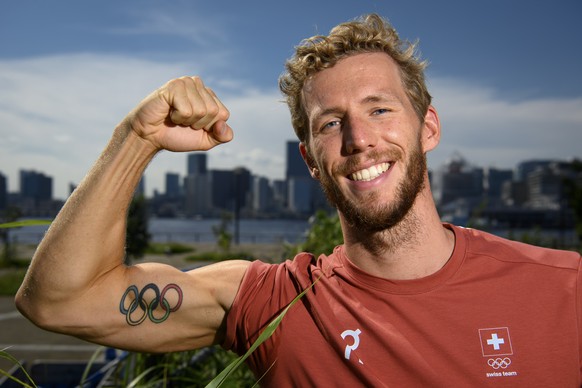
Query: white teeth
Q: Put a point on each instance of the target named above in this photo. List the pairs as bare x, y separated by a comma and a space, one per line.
370, 173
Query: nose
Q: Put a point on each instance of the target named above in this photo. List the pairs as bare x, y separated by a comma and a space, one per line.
358, 135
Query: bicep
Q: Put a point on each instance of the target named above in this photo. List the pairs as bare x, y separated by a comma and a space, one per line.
157, 308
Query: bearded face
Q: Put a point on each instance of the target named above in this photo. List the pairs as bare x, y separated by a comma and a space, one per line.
373, 214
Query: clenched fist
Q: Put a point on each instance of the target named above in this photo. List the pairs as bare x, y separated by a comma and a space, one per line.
183, 115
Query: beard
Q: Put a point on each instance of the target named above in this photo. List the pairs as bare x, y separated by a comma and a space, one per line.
372, 215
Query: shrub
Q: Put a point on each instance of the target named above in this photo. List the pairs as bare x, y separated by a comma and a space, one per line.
10, 281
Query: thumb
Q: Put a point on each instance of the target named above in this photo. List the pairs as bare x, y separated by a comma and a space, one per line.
222, 132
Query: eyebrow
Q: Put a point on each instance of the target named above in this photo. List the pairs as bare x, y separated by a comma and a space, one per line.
381, 97
326, 112
372, 98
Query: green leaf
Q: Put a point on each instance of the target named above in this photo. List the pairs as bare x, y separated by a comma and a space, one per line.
9, 357
96, 354
142, 376
268, 332
18, 224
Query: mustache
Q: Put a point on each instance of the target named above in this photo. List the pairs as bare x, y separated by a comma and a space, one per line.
354, 162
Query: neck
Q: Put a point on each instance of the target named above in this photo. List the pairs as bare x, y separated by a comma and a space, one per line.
416, 247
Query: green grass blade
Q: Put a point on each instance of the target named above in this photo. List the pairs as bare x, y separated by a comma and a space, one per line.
96, 354
4, 373
268, 332
5, 355
19, 224
138, 380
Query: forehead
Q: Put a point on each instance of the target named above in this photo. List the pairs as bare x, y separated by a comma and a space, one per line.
353, 78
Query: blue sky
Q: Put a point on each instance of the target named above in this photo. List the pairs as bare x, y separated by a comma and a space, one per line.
505, 75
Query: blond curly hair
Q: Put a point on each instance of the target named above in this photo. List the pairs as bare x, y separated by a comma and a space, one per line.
367, 34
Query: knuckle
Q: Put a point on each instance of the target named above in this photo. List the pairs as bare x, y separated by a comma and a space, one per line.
175, 84
226, 113
199, 111
197, 80
213, 110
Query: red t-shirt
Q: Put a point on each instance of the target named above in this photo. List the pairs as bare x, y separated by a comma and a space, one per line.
499, 313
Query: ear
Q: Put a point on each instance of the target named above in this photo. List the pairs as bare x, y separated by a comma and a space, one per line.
311, 165
431, 130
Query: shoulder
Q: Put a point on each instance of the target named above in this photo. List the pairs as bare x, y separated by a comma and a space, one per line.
300, 271
265, 290
485, 244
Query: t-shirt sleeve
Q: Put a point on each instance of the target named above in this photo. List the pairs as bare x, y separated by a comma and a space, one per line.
265, 291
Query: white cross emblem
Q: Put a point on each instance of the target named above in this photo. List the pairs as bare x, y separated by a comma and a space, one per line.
495, 341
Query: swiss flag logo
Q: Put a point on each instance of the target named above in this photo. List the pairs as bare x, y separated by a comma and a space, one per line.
495, 341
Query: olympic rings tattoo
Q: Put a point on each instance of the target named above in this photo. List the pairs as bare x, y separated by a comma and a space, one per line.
148, 308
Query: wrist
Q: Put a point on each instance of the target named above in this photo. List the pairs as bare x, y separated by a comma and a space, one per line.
125, 137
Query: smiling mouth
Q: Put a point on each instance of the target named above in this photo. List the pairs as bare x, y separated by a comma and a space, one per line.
370, 173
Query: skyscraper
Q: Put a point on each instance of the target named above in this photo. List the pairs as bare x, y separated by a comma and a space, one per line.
36, 185
295, 165
303, 194
197, 163
172, 185
3, 192
262, 194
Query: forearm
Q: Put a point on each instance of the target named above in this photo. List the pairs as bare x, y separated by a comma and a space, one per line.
87, 238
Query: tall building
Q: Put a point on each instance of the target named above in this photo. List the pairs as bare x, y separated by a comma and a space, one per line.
494, 181
526, 167
197, 195
457, 179
172, 185
300, 194
262, 195
197, 190
3, 192
197, 163
295, 164
35, 185
242, 188
304, 194
221, 183
280, 194
546, 185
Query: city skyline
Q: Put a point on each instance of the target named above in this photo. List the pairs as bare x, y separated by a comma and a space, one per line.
504, 76
181, 175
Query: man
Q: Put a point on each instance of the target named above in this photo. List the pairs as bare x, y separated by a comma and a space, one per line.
405, 301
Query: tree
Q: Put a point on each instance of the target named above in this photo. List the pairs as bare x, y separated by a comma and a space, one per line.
223, 236
138, 236
10, 215
324, 234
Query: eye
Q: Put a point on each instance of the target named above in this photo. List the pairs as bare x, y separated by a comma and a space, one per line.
330, 125
380, 111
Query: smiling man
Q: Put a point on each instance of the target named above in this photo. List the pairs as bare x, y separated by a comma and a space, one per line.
406, 301
367, 147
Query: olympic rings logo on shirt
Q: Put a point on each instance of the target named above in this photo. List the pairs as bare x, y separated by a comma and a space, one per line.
497, 363
148, 308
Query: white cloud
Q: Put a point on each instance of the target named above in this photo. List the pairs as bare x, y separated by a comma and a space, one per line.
491, 131
174, 20
56, 114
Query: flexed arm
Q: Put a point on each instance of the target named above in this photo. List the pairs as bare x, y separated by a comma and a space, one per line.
77, 283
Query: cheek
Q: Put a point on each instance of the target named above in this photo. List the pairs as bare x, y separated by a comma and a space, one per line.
320, 151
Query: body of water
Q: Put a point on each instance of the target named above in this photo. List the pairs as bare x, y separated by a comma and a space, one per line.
249, 231
193, 231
